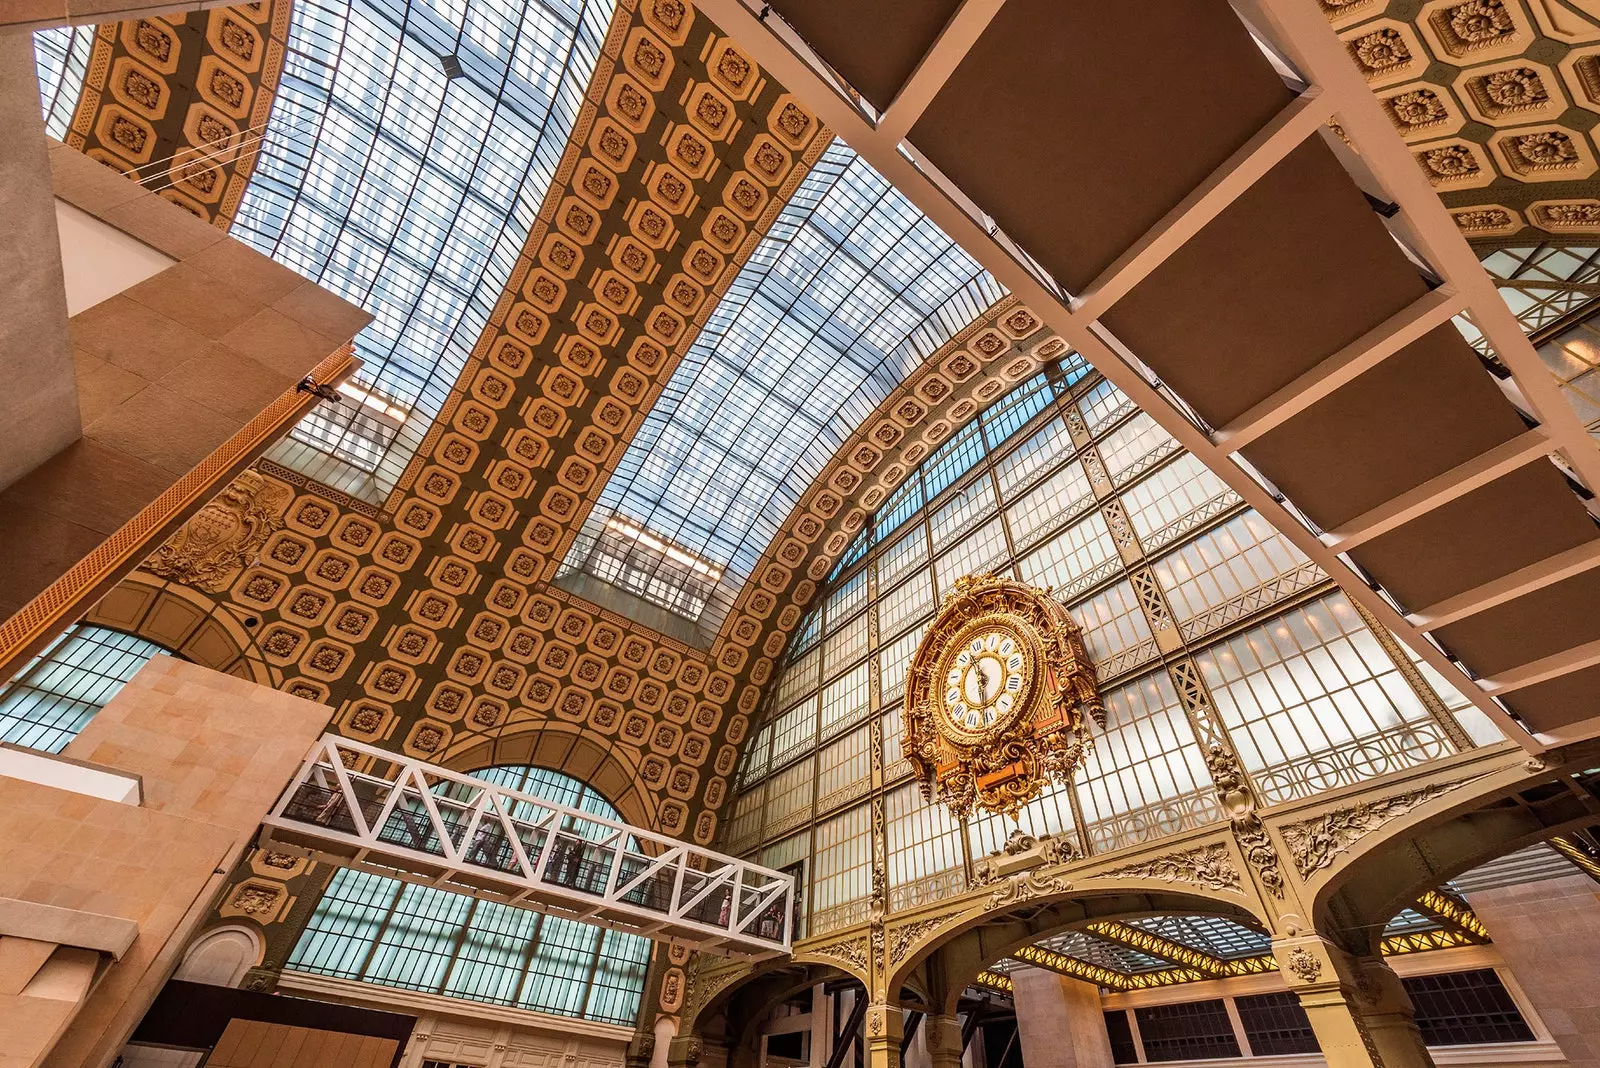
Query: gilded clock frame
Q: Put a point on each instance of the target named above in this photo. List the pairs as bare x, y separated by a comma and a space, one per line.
1022, 632
1006, 764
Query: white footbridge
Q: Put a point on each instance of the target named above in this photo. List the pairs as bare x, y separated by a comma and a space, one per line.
362, 807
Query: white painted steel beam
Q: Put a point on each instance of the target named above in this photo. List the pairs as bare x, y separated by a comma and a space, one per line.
425, 824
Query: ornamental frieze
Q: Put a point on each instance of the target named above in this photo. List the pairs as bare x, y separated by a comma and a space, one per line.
1209, 866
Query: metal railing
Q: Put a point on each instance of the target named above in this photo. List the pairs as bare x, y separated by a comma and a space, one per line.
362, 807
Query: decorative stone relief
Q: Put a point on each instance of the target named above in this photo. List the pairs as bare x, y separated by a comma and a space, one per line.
852, 952
1304, 965
224, 537
902, 938
1316, 843
1209, 866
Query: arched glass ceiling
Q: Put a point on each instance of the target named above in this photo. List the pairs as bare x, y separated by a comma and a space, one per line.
62, 59
410, 191
848, 293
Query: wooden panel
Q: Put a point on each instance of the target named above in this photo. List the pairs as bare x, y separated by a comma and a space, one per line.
874, 44
1423, 411
1063, 122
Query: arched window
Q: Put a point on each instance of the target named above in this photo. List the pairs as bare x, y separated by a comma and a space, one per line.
50, 701
379, 930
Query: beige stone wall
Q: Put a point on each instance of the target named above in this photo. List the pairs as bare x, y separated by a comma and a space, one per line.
1548, 934
214, 752
464, 1032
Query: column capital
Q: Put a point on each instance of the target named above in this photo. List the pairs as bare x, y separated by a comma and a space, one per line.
1357, 1005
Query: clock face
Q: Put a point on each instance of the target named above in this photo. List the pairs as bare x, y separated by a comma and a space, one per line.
987, 675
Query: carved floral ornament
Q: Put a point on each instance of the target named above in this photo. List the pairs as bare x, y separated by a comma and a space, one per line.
999, 697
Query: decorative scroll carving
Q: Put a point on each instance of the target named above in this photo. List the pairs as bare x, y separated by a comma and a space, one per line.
1027, 885
1239, 802
1021, 851
1317, 842
224, 536
902, 938
851, 952
1209, 866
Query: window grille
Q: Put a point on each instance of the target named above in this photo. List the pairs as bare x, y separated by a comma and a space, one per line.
1275, 1024
1466, 1009
60, 691
1123, 1050
1191, 1031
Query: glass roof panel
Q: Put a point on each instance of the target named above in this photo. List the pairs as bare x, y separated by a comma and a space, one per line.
1209, 934
61, 56
848, 292
1087, 947
410, 192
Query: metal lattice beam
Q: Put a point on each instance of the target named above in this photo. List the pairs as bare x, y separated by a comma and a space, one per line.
1156, 946
421, 823
1447, 909
1062, 964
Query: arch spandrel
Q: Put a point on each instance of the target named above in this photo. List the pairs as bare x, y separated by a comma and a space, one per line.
1361, 855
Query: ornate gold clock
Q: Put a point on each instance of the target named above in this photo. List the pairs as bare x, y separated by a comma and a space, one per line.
998, 697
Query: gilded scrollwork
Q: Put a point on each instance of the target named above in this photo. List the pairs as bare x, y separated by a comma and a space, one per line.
1209, 866
1316, 843
999, 697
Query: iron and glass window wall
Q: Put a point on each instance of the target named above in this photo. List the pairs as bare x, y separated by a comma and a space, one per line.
61, 57
1466, 1008
61, 689
1452, 1009
1194, 1030
378, 930
408, 186
1311, 696
851, 290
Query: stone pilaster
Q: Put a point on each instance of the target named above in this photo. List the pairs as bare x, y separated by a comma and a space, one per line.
1059, 1021
941, 1036
885, 1026
1357, 1006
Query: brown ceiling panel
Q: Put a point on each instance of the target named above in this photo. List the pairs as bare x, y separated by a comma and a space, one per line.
1559, 702
1421, 412
1515, 521
1294, 270
1544, 622
1076, 125
873, 44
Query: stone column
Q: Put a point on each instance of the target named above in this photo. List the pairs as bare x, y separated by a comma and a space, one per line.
941, 1036
1358, 1008
885, 1026
685, 1051
1548, 933
1059, 1021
